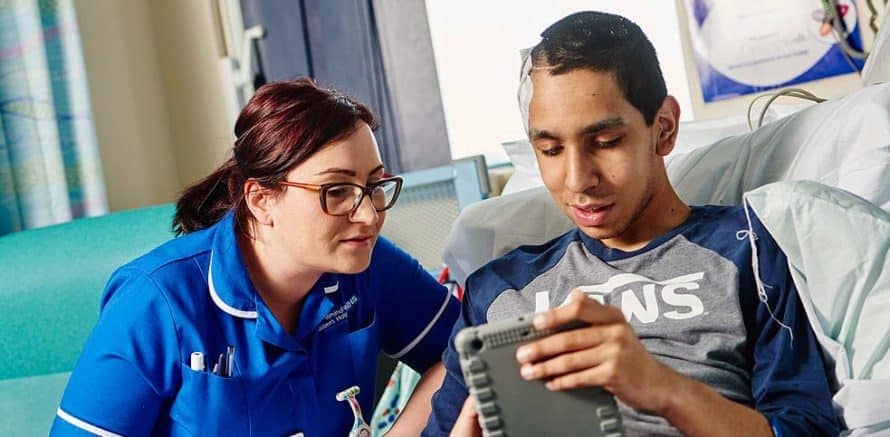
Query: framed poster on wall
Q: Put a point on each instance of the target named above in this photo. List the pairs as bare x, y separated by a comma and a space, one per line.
745, 47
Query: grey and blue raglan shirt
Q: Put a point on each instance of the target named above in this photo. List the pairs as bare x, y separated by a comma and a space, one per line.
691, 298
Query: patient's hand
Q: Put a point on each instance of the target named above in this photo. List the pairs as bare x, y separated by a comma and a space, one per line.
467, 424
607, 354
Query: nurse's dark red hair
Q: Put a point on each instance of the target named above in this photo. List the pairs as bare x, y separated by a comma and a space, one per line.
281, 126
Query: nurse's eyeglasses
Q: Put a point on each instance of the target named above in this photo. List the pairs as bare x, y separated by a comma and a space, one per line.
342, 198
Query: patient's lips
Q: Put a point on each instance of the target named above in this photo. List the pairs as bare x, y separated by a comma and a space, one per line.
591, 214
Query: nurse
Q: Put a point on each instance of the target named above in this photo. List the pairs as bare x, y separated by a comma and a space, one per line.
278, 295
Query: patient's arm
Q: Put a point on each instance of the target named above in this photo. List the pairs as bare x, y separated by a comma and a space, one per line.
414, 417
696, 409
609, 354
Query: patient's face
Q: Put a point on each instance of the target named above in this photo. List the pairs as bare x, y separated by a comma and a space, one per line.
597, 156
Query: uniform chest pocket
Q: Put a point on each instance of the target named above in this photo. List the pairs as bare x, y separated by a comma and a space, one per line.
209, 404
364, 345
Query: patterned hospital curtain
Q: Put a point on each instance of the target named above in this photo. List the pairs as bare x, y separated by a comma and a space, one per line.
49, 162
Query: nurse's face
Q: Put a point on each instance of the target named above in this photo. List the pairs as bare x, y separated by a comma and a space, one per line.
320, 241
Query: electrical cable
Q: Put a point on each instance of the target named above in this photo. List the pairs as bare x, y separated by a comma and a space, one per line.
872, 22
799, 93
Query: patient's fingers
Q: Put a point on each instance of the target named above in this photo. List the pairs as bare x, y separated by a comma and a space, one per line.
567, 341
580, 307
569, 362
600, 376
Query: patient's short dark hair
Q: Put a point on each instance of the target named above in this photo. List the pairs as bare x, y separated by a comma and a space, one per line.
606, 43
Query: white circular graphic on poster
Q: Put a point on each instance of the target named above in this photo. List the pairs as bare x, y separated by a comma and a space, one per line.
767, 42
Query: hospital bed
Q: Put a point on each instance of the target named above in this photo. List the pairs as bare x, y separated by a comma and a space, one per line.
837, 243
819, 179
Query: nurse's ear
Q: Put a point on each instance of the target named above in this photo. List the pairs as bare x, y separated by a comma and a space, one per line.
259, 200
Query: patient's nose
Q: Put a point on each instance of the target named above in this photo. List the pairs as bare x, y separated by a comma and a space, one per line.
581, 173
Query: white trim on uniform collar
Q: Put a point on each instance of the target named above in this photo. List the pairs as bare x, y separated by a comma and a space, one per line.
219, 302
423, 333
84, 425
332, 289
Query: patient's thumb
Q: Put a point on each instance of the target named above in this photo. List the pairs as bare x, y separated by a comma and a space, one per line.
467, 424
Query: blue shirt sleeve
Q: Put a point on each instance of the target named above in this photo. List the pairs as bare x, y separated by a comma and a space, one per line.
416, 313
789, 382
128, 366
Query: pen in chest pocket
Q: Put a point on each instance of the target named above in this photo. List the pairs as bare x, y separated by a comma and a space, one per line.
230, 360
225, 362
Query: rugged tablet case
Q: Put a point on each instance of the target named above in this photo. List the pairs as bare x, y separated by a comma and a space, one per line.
511, 406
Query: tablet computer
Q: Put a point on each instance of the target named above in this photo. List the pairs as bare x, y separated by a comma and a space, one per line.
511, 406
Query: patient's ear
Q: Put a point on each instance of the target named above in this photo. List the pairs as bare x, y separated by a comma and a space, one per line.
667, 123
260, 201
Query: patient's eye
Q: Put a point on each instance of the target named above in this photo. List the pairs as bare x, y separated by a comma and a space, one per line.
551, 151
605, 144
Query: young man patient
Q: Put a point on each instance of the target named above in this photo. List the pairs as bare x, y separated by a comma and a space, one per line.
678, 331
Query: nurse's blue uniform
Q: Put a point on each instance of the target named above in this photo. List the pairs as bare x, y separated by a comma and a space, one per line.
193, 294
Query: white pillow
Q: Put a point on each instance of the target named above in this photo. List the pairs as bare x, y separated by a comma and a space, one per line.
526, 173
488, 229
837, 246
695, 134
844, 143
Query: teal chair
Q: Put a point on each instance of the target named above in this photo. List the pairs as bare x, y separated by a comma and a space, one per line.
51, 280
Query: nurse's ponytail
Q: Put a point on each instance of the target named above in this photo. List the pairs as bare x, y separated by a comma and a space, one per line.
281, 126
206, 202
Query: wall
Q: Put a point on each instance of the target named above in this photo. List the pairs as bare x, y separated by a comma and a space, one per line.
159, 112
476, 46
129, 107
189, 49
